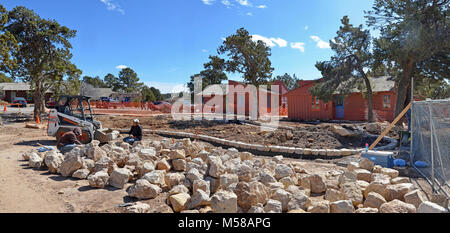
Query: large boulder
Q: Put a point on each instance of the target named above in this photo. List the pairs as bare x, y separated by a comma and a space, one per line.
347, 177
344, 206
283, 170
53, 161
398, 191
415, 198
216, 167
147, 154
377, 187
390, 172
228, 179
224, 202
430, 207
199, 198
333, 195
299, 200
145, 168
177, 154
178, 189
374, 200
282, 196
144, 190
193, 175
244, 173
366, 164
81, 174
273, 206
363, 174
179, 202
35, 161
352, 192
251, 194
179, 164
119, 177
341, 131
246, 156
173, 179
105, 164
319, 208
96, 153
99, 179
317, 184
201, 185
156, 177
71, 163
397, 206
163, 165
265, 177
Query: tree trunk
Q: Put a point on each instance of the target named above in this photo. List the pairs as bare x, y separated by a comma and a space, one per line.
39, 99
369, 96
402, 87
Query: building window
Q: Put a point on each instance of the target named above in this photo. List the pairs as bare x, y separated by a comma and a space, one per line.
315, 103
387, 101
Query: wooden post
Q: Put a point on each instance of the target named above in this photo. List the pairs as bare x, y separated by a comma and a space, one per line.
390, 126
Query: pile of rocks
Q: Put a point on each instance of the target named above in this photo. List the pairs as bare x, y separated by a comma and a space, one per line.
199, 178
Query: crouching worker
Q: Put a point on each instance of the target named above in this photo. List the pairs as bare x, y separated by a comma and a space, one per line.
135, 133
69, 140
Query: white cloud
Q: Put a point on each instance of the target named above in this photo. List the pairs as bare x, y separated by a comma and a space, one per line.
204, 51
261, 6
320, 43
208, 2
244, 2
306, 27
271, 42
266, 40
298, 45
279, 41
110, 5
250, 14
226, 3
121, 67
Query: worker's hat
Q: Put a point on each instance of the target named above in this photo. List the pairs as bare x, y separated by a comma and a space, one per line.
136, 120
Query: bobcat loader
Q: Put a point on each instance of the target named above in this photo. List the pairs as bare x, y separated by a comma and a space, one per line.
75, 111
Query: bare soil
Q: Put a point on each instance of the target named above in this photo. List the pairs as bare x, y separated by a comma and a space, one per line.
303, 135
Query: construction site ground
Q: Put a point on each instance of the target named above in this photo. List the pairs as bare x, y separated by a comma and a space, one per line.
313, 136
23, 189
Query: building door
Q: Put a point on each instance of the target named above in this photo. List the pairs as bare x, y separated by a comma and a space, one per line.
339, 107
13, 96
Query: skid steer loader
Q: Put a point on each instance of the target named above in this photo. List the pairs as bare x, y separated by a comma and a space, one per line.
75, 111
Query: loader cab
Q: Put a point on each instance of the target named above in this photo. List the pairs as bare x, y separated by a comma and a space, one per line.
75, 106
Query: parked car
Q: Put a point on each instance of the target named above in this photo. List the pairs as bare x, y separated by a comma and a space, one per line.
50, 104
20, 101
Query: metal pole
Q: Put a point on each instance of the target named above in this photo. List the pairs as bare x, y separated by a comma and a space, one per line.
432, 151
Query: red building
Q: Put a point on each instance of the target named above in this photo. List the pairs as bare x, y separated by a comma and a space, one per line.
352, 107
242, 97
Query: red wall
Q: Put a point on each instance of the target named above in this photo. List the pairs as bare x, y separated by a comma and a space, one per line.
355, 106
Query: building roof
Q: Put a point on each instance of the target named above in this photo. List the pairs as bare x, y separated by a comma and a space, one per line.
379, 84
95, 93
15, 86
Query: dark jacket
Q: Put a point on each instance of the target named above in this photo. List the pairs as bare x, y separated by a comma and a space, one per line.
136, 131
69, 138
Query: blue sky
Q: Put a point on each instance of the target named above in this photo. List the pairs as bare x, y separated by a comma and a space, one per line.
166, 42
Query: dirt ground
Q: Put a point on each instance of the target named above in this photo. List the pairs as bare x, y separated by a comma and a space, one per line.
27, 190
303, 135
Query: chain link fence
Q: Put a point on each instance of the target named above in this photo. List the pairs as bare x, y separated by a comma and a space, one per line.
431, 142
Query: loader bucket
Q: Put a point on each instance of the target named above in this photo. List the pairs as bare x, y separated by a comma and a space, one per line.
101, 135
